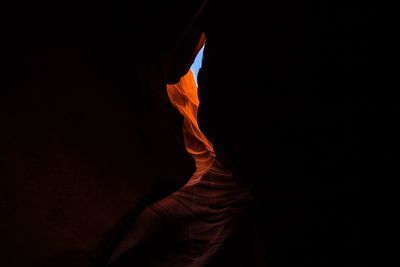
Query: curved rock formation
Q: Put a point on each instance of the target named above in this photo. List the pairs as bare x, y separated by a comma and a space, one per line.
202, 215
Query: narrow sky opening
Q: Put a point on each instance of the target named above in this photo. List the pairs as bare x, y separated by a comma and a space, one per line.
197, 63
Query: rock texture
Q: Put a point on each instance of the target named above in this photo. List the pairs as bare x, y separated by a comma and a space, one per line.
89, 138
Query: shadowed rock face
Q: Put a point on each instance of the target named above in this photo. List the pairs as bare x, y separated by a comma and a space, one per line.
281, 94
87, 134
283, 97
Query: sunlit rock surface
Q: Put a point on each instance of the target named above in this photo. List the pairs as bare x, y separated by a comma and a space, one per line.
197, 221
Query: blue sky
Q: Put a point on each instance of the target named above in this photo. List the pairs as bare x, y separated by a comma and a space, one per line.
197, 63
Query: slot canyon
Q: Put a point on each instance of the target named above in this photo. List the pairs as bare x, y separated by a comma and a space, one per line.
111, 154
